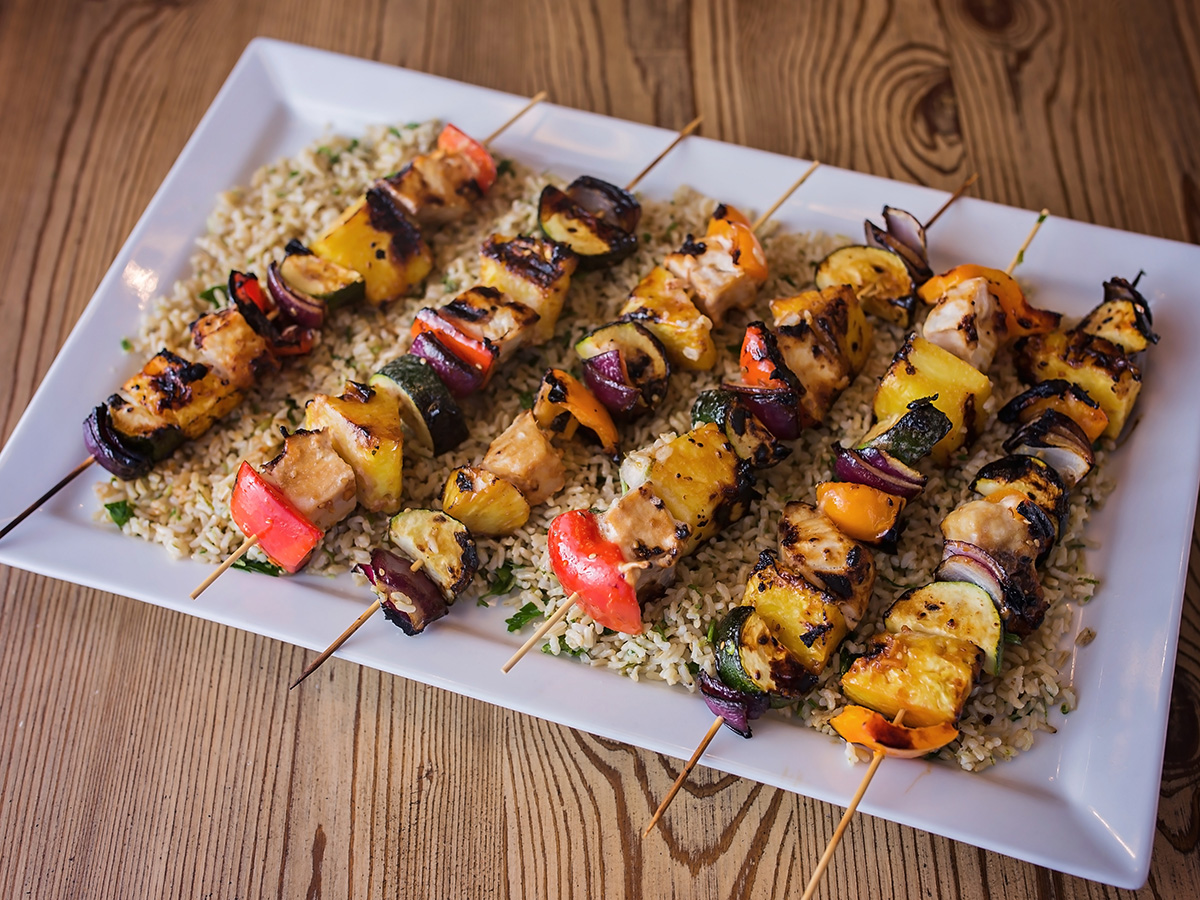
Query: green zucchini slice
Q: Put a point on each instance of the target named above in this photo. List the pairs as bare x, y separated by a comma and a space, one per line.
322, 279
432, 419
749, 658
953, 609
749, 437
879, 278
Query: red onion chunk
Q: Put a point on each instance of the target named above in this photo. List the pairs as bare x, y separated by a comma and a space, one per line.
104, 442
878, 469
298, 306
390, 574
605, 377
736, 707
777, 408
966, 562
460, 378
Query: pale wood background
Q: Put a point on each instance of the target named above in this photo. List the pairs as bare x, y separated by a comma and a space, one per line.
144, 753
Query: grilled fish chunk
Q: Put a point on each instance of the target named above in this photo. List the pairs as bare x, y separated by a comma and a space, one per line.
710, 267
963, 323
187, 395
318, 482
524, 456
649, 537
434, 189
536, 273
485, 314
231, 348
996, 527
812, 545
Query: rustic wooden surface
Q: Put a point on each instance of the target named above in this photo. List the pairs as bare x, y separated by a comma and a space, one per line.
144, 753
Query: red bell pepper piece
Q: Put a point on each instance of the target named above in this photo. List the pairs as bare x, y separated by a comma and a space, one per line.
452, 140
589, 565
762, 363
247, 288
479, 355
261, 510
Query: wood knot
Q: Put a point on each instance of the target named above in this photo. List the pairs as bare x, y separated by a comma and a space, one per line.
993, 15
938, 106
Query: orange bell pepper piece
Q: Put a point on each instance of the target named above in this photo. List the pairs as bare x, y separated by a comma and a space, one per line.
860, 511
748, 253
859, 725
560, 393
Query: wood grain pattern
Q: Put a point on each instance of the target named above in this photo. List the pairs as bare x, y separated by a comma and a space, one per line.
144, 753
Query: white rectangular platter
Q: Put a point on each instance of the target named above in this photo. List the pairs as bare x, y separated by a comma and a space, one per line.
1083, 801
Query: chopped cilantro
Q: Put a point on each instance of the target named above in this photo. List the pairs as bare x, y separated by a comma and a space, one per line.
329, 153
211, 295
262, 568
693, 668
1065, 708
352, 146
895, 584
522, 617
526, 399
1076, 545
482, 601
845, 662
790, 280
712, 628
450, 284
1089, 580
1010, 638
505, 167
502, 581
121, 512
412, 125
645, 237
126, 345
564, 650
393, 131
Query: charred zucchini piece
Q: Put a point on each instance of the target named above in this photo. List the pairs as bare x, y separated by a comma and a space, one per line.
378, 242
910, 436
811, 544
442, 545
1122, 318
703, 483
485, 503
593, 218
1057, 394
806, 620
928, 676
953, 609
187, 395
625, 366
366, 432
322, 279
1033, 479
530, 271
749, 658
1097, 365
748, 436
431, 417
524, 456
661, 304
922, 370
879, 278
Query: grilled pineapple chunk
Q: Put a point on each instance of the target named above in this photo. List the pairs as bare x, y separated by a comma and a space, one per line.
187, 395
812, 545
380, 243
1122, 318
367, 433
921, 369
701, 480
928, 676
824, 338
524, 455
660, 303
953, 609
805, 619
1097, 365
485, 503
534, 272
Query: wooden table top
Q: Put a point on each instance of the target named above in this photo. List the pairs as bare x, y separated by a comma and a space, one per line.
145, 753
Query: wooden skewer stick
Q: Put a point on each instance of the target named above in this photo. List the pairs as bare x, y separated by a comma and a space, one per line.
687, 129
229, 561
846, 817
687, 770
533, 101
758, 223
1020, 257
341, 639
962, 189
537, 636
33, 507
